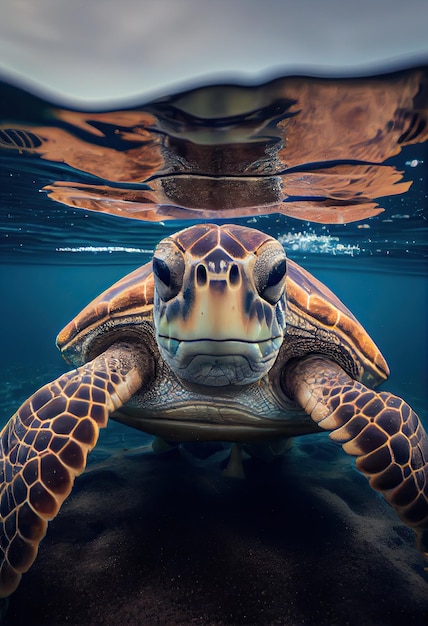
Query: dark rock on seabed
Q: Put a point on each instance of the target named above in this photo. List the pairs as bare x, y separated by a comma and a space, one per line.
147, 539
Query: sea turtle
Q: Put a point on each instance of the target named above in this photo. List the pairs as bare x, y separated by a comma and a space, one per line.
219, 338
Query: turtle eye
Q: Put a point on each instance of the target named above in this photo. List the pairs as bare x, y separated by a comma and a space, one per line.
270, 270
168, 270
276, 274
161, 270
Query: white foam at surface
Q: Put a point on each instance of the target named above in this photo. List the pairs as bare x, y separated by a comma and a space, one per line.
317, 244
109, 249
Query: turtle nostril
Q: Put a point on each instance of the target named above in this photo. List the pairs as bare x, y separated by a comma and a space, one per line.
201, 275
234, 274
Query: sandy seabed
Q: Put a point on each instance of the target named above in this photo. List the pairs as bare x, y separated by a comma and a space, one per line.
154, 540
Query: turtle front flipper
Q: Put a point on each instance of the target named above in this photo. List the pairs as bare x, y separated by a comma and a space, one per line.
379, 428
44, 447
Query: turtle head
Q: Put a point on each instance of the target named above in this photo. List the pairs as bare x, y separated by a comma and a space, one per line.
219, 303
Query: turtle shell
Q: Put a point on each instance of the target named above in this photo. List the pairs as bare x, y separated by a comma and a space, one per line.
121, 311
125, 310
339, 334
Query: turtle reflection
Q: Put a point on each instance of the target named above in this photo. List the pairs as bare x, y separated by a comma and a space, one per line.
311, 148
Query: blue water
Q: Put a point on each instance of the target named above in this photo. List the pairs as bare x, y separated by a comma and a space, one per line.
56, 257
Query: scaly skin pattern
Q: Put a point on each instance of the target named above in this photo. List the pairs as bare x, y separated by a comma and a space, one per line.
380, 429
44, 447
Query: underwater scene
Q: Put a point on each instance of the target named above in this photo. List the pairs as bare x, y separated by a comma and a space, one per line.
188, 531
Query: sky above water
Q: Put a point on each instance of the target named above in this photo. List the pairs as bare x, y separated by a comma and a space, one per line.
112, 51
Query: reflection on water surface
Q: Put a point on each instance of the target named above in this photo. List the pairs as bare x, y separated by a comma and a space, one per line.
315, 149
